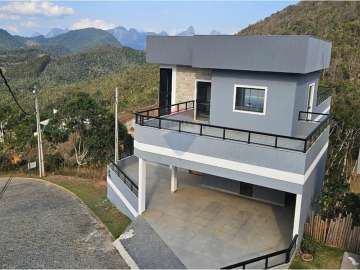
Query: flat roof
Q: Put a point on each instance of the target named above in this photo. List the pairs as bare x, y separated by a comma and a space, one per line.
274, 53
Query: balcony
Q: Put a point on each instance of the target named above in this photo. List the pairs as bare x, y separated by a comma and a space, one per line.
180, 117
249, 156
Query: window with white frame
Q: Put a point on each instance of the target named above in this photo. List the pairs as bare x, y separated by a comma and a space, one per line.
250, 99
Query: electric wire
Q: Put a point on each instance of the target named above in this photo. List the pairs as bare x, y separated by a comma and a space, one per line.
11, 92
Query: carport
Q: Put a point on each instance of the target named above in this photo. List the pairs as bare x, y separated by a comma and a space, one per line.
207, 228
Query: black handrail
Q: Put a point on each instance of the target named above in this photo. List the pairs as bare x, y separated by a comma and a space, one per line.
323, 93
141, 117
323, 123
123, 177
287, 251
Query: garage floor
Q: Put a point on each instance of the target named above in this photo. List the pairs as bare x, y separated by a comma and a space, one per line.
207, 228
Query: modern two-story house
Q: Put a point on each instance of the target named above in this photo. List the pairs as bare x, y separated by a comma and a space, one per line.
245, 113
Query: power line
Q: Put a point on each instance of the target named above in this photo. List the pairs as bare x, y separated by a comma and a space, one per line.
11, 92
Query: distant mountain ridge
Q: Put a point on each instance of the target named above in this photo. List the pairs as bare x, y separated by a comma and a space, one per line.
7, 41
55, 32
63, 41
133, 38
70, 42
190, 31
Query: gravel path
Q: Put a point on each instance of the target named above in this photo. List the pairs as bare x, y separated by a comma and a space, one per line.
44, 226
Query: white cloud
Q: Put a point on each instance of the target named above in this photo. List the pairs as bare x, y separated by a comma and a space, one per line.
35, 8
87, 23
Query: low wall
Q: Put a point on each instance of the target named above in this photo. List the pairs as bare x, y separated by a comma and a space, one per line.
121, 196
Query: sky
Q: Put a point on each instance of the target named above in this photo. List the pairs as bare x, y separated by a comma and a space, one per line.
227, 17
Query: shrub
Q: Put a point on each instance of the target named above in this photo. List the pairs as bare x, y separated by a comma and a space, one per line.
53, 162
308, 245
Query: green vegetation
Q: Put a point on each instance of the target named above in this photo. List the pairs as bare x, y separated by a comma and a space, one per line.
79, 40
81, 88
338, 22
93, 194
71, 42
7, 41
90, 64
308, 245
324, 258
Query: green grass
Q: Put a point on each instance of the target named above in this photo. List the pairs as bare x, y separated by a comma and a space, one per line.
93, 194
324, 258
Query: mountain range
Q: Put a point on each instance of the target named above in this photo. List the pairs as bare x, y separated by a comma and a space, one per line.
70, 42
62, 41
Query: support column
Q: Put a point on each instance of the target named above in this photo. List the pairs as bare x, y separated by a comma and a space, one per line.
142, 186
174, 172
297, 214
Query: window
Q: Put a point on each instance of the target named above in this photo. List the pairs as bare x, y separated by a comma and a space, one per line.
250, 99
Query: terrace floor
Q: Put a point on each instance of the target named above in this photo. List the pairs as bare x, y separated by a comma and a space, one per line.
206, 228
192, 126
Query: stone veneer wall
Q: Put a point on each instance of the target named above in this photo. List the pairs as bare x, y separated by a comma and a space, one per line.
185, 81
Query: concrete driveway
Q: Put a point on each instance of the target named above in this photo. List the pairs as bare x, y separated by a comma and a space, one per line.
206, 228
44, 226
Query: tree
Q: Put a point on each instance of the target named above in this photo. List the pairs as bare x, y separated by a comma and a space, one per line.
343, 150
87, 119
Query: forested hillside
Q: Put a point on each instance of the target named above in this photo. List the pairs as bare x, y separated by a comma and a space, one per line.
97, 71
338, 22
91, 64
70, 42
80, 86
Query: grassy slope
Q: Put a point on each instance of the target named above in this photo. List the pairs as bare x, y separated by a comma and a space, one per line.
93, 194
137, 87
325, 258
97, 71
90, 64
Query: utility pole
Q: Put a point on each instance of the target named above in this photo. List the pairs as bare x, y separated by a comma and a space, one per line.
39, 137
116, 127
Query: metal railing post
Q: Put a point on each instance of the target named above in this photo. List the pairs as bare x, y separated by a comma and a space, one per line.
287, 256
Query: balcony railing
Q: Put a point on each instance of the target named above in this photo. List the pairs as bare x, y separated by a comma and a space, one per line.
287, 253
123, 177
155, 118
323, 94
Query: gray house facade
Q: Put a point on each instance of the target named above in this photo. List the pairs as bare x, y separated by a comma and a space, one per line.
247, 109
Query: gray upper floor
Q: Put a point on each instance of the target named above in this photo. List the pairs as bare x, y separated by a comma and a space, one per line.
273, 78
289, 54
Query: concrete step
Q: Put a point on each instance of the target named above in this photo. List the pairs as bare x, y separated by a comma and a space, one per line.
144, 249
